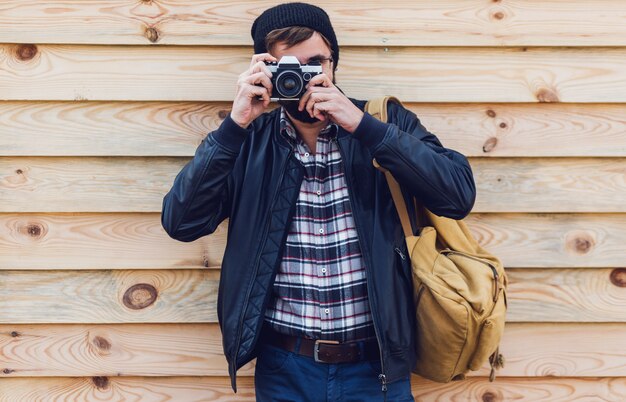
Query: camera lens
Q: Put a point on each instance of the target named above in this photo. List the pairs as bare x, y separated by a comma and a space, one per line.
289, 84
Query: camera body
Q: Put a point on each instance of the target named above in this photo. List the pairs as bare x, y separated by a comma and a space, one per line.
289, 78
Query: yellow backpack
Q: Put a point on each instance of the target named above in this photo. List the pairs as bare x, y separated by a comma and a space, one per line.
459, 289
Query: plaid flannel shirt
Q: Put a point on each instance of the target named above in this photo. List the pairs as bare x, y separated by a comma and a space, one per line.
320, 290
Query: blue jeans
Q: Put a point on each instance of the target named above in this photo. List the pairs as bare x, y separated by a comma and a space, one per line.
288, 377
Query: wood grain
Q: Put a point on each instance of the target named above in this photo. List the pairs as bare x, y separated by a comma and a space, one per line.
567, 295
104, 184
443, 74
552, 240
204, 389
138, 184
550, 184
106, 128
530, 349
519, 130
535, 389
152, 350
118, 241
105, 296
126, 389
101, 241
366, 22
186, 296
562, 350
176, 128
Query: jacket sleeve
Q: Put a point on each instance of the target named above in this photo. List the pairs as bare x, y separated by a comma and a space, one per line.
200, 197
439, 177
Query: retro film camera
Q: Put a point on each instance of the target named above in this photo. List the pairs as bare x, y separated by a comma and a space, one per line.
289, 78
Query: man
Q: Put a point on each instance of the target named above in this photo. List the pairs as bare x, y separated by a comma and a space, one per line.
315, 280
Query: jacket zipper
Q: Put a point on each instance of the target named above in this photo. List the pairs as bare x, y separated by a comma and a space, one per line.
256, 268
400, 253
381, 377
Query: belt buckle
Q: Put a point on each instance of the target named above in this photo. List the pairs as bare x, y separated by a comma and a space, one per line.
316, 348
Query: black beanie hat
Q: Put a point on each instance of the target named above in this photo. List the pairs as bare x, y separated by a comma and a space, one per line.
293, 14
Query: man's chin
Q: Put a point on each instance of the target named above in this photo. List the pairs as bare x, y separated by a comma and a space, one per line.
302, 116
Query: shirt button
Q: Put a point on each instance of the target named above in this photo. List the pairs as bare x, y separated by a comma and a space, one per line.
306, 154
323, 270
319, 192
321, 230
327, 311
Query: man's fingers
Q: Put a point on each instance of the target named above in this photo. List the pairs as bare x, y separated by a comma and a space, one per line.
309, 105
260, 67
261, 57
259, 78
320, 79
304, 99
315, 98
320, 109
255, 91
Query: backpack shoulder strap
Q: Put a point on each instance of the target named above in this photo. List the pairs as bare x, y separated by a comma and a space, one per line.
378, 108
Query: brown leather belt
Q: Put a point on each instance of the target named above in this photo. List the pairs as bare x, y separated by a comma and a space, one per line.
324, 351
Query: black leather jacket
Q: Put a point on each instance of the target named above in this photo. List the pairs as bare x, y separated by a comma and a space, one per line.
251, 177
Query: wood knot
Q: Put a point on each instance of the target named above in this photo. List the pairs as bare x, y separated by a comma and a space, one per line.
499, 15
20, 178
583, 245
25, 52
15, 334
489, 397
33, 230
140, 296
101, 343
490, 144
547, 96
580, 242
491, 113
8, 371
618, 277
100, 382
223, 113
152, 34
502, 125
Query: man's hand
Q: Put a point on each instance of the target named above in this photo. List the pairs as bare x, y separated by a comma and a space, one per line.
323, 100
252, 83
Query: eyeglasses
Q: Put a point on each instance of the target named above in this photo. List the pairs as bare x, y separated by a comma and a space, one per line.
320, 60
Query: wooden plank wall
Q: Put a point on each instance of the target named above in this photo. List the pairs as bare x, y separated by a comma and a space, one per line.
102, 102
